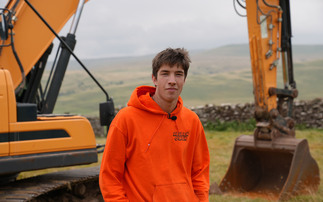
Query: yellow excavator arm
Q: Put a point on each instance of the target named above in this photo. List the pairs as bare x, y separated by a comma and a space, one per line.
264, 45
271, 163
269, 44
31, 37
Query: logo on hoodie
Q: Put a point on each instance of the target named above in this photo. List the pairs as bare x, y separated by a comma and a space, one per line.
180, 136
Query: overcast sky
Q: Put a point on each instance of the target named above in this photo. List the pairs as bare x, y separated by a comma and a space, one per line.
110, 28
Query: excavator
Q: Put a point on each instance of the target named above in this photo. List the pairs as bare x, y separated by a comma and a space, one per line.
31, 136
272, 163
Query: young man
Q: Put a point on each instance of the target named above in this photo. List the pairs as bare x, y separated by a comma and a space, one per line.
156, 148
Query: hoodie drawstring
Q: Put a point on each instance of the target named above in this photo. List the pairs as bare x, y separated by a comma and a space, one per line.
151, 139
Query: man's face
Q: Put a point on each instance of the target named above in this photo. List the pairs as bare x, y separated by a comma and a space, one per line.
169, 82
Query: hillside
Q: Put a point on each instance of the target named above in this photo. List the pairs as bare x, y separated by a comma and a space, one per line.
217, 76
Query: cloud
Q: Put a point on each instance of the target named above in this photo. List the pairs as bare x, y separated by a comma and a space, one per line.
139, 27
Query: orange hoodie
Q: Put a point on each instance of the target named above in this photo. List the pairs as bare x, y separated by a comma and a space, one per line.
150, 157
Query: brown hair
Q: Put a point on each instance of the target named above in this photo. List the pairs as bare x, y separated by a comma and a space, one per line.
171, 57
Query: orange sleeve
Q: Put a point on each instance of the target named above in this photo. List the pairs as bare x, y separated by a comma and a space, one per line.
112, 166
200, 169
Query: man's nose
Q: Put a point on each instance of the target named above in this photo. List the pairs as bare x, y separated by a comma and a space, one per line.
172, 79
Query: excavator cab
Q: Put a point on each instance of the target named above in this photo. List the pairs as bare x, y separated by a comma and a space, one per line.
271, 163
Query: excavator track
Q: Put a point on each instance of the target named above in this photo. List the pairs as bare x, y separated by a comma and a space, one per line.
71, 185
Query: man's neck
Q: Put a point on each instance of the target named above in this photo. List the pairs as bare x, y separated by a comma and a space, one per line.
167, 107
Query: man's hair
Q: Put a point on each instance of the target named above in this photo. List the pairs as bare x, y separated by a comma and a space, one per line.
171, 57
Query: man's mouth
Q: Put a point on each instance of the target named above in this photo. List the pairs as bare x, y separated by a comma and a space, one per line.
171, 89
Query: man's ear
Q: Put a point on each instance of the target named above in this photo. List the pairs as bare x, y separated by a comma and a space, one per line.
154, 79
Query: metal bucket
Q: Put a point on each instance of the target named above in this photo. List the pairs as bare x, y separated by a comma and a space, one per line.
276, 170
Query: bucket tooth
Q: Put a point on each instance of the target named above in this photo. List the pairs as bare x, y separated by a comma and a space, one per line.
276, 170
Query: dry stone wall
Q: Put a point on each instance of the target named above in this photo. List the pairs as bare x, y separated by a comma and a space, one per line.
308, 113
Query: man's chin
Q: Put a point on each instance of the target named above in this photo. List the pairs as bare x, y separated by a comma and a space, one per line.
172, 98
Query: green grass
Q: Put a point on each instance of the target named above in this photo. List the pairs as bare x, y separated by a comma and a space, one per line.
221, 145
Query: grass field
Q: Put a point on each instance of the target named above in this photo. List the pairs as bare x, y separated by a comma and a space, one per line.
221, 146
218, 76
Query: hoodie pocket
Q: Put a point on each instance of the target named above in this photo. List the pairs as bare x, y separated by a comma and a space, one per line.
174, 193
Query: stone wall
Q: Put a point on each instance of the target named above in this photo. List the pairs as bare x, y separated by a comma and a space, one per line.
309, 113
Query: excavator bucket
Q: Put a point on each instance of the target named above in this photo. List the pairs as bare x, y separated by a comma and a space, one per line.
275, 170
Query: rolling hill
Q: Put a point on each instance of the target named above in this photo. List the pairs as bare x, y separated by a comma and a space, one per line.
216, 76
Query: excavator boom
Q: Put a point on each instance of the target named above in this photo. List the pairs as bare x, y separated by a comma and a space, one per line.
31, 37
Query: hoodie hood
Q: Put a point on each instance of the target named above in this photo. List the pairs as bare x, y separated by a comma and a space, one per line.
141, 99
